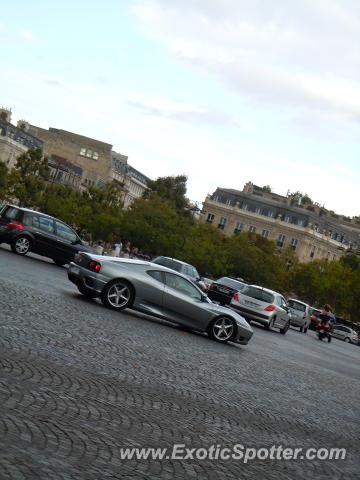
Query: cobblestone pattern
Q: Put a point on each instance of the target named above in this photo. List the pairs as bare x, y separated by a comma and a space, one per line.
77, 382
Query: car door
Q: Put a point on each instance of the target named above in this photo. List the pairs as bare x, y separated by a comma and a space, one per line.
282, 310
43, 229
338, 332
66, 241
183, 302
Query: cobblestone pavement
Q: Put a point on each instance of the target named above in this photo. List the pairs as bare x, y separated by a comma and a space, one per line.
78, 382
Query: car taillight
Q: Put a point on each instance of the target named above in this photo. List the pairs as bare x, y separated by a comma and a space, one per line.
212, 286
95, 266
326, 326
269, 308
236, 296
15, 224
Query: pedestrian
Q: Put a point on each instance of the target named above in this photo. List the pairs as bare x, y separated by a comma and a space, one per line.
117, 246
99, 248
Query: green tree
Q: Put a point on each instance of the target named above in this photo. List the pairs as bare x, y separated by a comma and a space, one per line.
170, 189
3, 179
266, 188
28, 180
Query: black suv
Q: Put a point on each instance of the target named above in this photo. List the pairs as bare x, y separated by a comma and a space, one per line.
27, 230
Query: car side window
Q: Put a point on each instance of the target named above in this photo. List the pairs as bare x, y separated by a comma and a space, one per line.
157, 275
43, 223
283, 303
65, 232
182, 285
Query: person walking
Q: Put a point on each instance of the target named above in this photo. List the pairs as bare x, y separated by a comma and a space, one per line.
118, 246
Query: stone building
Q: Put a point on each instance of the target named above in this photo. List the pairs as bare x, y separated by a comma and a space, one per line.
74, 159
14, 141
312, 231
133, 182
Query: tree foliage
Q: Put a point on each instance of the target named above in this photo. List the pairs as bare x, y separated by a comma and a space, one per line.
169, 189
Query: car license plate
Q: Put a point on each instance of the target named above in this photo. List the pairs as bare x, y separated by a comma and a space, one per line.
223, 290
75, 270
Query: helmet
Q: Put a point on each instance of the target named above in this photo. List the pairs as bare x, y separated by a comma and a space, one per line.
327, 307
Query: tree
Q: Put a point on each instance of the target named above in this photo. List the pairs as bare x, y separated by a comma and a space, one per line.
170, 189
266, 188
28, 180
3, 179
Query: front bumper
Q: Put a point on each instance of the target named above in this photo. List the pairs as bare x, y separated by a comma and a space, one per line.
82, 276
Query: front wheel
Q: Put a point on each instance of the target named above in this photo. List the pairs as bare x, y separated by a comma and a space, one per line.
347, 340
118, 294
21, 245
222, 329
285, 329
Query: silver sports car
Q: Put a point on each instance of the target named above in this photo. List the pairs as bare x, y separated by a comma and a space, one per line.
155, 290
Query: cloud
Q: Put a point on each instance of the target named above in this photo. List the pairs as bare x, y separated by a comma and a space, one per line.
10, 36
52, 83
288, 55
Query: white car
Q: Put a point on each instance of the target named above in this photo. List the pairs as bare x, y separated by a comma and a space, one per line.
300, 314
345, 333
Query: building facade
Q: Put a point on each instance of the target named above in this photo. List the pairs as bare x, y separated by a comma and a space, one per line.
133, 182
309, 229
14, 141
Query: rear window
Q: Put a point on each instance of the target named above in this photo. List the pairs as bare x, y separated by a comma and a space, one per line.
229, 282
297, 306
258, 294
12, 213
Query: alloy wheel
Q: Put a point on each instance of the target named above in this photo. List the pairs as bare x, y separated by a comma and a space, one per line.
22, 245
119, 295
223, 329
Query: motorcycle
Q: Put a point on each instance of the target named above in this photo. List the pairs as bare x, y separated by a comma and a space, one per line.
323, 329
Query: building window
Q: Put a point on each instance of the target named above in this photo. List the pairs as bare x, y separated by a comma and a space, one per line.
252, 229
95, 155
216, 198
89, 153
238, 227
271, 213
265, 233
210, 218
293, 243
83, 151
222, 223
244, 206
258, 210
312, 251
300, 222
281, 240
287, 218
228, 201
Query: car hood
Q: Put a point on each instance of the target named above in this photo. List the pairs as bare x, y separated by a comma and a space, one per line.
219, 309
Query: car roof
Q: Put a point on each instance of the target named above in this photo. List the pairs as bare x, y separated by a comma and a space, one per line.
29, 210
175, 260
265, 289
298, 301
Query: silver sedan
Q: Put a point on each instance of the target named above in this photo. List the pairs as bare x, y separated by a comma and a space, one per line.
158, 291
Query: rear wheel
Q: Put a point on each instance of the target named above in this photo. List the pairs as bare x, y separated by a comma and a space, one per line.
329, 338
301, 329
87, 292
21, 245
285, 329
222, 329
305, 329
118, 294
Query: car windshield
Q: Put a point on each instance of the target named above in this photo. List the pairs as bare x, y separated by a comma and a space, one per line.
297, 305
229, 282
258, 294
168, 262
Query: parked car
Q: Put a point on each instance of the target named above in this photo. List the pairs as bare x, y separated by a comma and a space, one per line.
223, 289
300, 314
185, 268
207, 282
264, 306
314, 317
27, 230
156, 290
345, 333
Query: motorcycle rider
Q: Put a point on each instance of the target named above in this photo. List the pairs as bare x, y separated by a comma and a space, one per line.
326, 317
